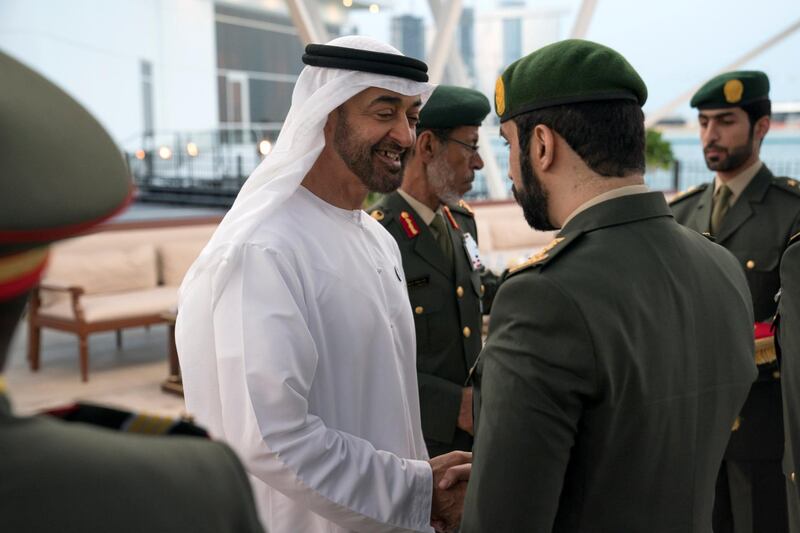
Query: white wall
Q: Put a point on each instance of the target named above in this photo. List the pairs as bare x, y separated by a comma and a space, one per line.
539, 28
93, 49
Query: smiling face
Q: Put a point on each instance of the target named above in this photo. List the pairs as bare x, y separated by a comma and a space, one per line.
727, 138
452, 170
374, 131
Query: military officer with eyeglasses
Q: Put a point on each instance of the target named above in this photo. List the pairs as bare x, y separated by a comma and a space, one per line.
448, 287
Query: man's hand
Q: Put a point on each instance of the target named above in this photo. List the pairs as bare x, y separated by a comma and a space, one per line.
465, 413
450, 474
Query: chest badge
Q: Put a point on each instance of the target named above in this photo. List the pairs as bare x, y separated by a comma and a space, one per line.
471, 247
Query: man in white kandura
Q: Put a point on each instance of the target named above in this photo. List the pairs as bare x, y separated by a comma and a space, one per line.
294, 331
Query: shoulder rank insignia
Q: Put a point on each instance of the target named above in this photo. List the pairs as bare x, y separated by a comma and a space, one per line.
450, 217
538, 257
465, 206
787, 184
377, 214
691, 191
409, 224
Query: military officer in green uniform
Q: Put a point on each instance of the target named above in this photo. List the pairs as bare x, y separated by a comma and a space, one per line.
752, 213
788, 340
60, 173
620, 354
437, 236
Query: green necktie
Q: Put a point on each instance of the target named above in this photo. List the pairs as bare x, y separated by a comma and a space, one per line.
722, 202
443, 236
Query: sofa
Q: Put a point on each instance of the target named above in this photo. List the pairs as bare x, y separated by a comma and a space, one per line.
112, 280
125, 277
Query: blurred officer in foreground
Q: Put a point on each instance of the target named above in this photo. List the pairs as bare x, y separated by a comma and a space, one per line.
753, 214
447, 284
788, 336
600, 403
72, 477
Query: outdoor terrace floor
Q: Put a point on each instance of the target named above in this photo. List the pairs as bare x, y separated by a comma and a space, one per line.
129, 378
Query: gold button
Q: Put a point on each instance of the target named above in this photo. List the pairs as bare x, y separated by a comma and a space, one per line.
460, 291
793, 477
750, 264
483, 289
776, 375
467, 332
736, 424
419, 309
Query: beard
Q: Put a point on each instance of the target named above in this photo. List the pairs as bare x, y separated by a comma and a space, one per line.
359, 156
442, 179
532, 197
733, 157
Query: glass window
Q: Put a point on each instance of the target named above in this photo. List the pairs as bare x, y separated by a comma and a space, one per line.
269, 100
258, 50
222, 98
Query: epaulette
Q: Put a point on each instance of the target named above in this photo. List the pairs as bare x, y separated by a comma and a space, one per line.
787, 184
463, 208
545, 255
688, 193
126, 421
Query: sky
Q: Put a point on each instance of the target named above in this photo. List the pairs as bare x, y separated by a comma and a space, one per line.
673, 44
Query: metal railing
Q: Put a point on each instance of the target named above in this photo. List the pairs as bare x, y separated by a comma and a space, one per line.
209, 168
197, 168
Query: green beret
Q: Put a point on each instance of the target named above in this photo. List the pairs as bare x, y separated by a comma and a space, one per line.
732, 89
451, 107
60, 173
566, 72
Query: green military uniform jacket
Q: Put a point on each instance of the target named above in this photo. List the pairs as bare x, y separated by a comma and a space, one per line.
610, 379
756, 230
446, 301
75, 478
788, 337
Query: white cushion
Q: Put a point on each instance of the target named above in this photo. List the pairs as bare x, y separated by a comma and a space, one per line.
102, 307
105, 271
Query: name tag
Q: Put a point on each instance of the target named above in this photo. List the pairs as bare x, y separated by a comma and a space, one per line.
471, 247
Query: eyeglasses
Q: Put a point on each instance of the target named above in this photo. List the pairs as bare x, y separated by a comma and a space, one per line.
472, 147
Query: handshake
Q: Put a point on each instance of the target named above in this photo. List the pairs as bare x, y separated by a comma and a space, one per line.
450, 475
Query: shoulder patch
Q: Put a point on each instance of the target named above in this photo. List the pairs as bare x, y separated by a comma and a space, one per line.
377, 214
788, 184
688, 193
546, 254
463, 208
